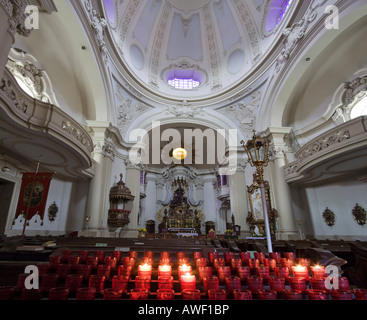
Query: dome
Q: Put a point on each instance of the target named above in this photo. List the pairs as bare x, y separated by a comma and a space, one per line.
193, 49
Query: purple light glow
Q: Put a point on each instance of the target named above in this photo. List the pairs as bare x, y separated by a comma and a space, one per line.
184, 78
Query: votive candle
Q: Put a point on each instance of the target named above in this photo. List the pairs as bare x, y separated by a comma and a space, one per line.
164, 271
145, 270
188, 282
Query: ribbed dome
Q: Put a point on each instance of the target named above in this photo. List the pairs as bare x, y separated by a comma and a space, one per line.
202, 47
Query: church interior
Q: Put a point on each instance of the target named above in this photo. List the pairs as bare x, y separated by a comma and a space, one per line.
225, 137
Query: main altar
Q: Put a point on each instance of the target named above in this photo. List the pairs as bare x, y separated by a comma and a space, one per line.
181, 216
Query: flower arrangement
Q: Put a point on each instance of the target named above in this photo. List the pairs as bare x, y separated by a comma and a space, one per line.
229, 232
142, 230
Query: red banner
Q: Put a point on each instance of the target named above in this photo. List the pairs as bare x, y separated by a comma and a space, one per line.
33, 194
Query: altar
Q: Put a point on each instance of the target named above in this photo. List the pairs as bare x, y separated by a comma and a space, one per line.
180, 216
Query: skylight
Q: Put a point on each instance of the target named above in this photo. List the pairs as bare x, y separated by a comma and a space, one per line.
184, 79
277, 11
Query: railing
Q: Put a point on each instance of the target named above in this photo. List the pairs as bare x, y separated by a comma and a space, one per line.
344, 138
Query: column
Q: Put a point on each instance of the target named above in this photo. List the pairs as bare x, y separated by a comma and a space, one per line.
12, 20
280, 189
151, 198
133, 183
210, 208
238, 197
99, 188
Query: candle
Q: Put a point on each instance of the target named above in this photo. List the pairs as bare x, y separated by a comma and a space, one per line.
145, 270
201, 262
300, 271
188, 282
164, 271
184, 269
235, 263
191, 294
205, 272
318, 271
211, 283
142, 282
139, 294
182, 261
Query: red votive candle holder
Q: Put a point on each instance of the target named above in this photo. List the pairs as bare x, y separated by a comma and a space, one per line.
341, 295
149, 254
244, 256
184, 269
235, 263
233, 283
138, 294
289, 255
205, 272
314, 294
219, 262
244, 272
164, 261
117, 255
343, 283
92, 261
224, 272
253, 263
282, 272
54, 261
228, 256
270, 263
360, 294
97, 282
260, 256
293, 295
165, 294
318, 271
275, 255
112, 294
212, 256
242, 294
164, 271
277, 284
165, 282
85, 293
48, 281
267, 295
180, 255
165, 254
127, 261
297, 284
104, 270
73, 282
300, 271
191, 294
145, 270
318, 283
217, 294
142, 282
284, 262
84, 270
124, 270
304, 262
263, 272
100, 254
201, 262
43, 268
197, 255
133, 254
147, 260
112, 262
58, 293
255, 284
188, 282
211, 283
182, 261
120, 283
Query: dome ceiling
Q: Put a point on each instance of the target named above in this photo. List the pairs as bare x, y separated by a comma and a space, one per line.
191, 49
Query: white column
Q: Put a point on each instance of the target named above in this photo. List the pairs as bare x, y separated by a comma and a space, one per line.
238, 198
282, 196
210, 209
133, 183
99, 188
151, 198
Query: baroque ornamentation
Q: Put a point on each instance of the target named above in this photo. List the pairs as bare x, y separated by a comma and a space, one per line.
6, 87
329, 217
84, 138
16, 10
185, 110
99, 25
127, 111
294, 34
244, 114
323, 143
359, 215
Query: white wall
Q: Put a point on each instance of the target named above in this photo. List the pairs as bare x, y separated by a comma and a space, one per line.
339, 197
